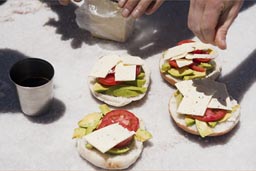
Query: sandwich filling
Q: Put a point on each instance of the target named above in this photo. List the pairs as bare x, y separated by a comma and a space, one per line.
119, 76
189, 60
111, 132
204, 104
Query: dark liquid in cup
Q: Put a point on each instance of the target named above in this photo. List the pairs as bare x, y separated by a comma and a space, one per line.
34, 81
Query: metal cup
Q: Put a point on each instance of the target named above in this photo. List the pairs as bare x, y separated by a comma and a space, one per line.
33, 79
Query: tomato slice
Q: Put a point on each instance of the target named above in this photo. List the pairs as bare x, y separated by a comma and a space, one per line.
199, 60
185, 41
173, 63
197, 68
138, 70
199, 52
125, 118
109, 80
211, 115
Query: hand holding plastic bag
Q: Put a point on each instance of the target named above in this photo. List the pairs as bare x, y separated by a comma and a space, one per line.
104, 20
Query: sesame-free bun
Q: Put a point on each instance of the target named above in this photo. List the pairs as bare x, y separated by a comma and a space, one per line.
219, 129
172, 80
109, 161
120, 101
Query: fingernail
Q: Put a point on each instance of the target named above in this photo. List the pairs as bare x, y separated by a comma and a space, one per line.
121, 3
225, 46
125, 12
221, 44
136, 13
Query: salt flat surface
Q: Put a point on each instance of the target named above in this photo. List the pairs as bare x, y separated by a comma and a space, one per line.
30, 28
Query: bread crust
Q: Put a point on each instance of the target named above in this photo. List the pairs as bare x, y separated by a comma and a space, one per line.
120, 101
172, 80
219, 129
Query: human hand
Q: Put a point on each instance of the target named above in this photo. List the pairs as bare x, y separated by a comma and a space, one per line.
210, 20
137, 8
66, 2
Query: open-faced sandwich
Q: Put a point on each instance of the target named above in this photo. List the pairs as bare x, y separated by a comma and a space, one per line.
119, 80
203, 107
189, 60
111, 139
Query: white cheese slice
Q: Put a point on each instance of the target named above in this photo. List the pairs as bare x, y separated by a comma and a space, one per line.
195, 103
185, 87
220, 99
202, 94
183, 62
125, 72
106, 138
191, 87
193, 56
104, 65
196, 97
132, 60
178, 50
175, 57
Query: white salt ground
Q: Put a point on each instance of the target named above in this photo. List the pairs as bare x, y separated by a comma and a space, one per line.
30, 28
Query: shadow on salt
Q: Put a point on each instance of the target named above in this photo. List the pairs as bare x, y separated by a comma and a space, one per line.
9, 102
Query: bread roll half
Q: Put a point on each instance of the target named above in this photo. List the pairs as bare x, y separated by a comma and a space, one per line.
219, 129
172, 80
109, 161
119, 101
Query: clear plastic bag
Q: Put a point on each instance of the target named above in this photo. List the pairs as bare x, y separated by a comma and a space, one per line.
104, 20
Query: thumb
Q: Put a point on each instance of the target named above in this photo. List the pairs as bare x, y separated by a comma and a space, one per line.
64, 2
220, 38
226, 19
154, 6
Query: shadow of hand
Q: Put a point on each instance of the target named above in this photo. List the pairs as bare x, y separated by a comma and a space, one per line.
66, 25
240, 79
152, 33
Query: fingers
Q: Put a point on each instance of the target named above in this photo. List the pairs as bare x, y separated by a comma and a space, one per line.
141, 8
154, 6
121, 3
210, 20
220, 39
195, 15
128, 6
64, 2
226, 20
222, 30
137, 8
